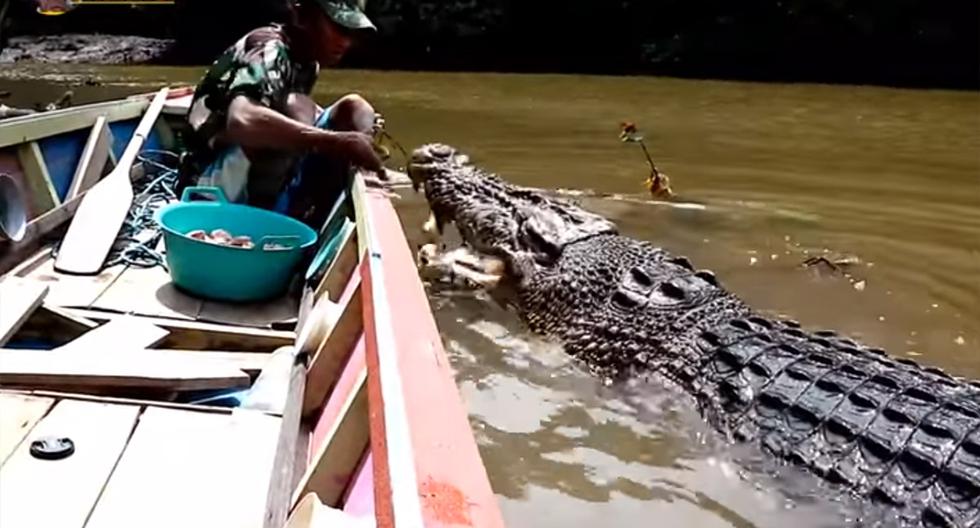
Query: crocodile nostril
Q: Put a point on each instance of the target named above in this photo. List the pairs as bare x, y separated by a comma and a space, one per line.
627, 299
672, 291
707, 276
683, 262
641, 277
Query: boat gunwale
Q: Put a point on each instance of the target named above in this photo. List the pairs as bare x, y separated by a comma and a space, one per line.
47, 124
411, 467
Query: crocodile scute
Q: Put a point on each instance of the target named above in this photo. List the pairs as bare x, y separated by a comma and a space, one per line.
900, 434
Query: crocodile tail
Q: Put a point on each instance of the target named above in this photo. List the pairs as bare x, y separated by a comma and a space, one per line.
886, 428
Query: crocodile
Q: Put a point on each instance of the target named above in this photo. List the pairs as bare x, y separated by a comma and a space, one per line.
883, 429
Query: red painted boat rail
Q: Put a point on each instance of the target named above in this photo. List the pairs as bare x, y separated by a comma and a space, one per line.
427, 469
386, 433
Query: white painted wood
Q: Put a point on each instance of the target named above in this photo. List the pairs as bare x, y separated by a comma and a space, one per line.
38, 493
93, 159
99, 369
103, 209
30, 128
192, 470
18, 300
19, 413
43, 193
341, 450
405, 503
125, 333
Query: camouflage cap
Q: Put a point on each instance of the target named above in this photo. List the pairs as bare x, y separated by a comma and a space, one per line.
347, 13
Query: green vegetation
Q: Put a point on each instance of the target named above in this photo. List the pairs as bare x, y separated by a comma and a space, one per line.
896, 42
906, 42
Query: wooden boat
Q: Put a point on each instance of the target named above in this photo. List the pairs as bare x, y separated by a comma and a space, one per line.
326, 407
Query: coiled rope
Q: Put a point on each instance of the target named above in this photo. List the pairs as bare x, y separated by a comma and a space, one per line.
138, 238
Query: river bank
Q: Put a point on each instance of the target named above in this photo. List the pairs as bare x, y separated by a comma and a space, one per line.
87, 49
913, 44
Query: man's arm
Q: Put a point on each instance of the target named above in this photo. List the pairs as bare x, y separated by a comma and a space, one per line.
252, 125
302, 108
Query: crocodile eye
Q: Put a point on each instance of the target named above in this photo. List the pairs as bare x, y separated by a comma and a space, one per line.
540, 244
539, 238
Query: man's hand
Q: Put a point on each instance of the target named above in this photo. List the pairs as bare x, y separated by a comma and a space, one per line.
359, 150
379, 182
379, 124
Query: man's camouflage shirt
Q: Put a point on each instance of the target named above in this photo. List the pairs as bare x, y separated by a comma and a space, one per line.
261, 66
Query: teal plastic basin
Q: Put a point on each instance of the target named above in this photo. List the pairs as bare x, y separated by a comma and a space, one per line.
231, 273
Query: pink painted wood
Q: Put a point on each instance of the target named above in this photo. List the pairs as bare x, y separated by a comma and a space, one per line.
338, 395
359, 501
451, 483
331, 411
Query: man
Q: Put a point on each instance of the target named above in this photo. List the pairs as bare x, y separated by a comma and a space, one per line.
253, 122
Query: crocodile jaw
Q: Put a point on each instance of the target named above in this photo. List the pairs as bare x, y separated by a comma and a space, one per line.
522, 226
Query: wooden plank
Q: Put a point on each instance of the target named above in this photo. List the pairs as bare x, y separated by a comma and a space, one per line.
43, 493
149, 292
361, 214
31, 263
306, 305
191, 470
341, 269
93, 160
330, 235
250, 363
325, 366
324, 421
52, 369
125, 333
316, 325
271, 391
205, 336
42, 191
18, 300
18, 415
250, 314
96, 224
312, 513
71, 290
283, 394
425, 457
336, 460
103, 209
179, 105
61, 395
31, 128
177, 92
79, 323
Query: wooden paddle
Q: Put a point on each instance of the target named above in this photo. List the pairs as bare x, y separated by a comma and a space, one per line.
103, 209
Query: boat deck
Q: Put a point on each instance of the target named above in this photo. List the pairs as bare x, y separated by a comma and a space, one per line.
134, 461
149, 292
323, 407
130, 382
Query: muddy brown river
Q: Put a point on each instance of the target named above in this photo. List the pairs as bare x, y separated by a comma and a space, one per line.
767, 176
